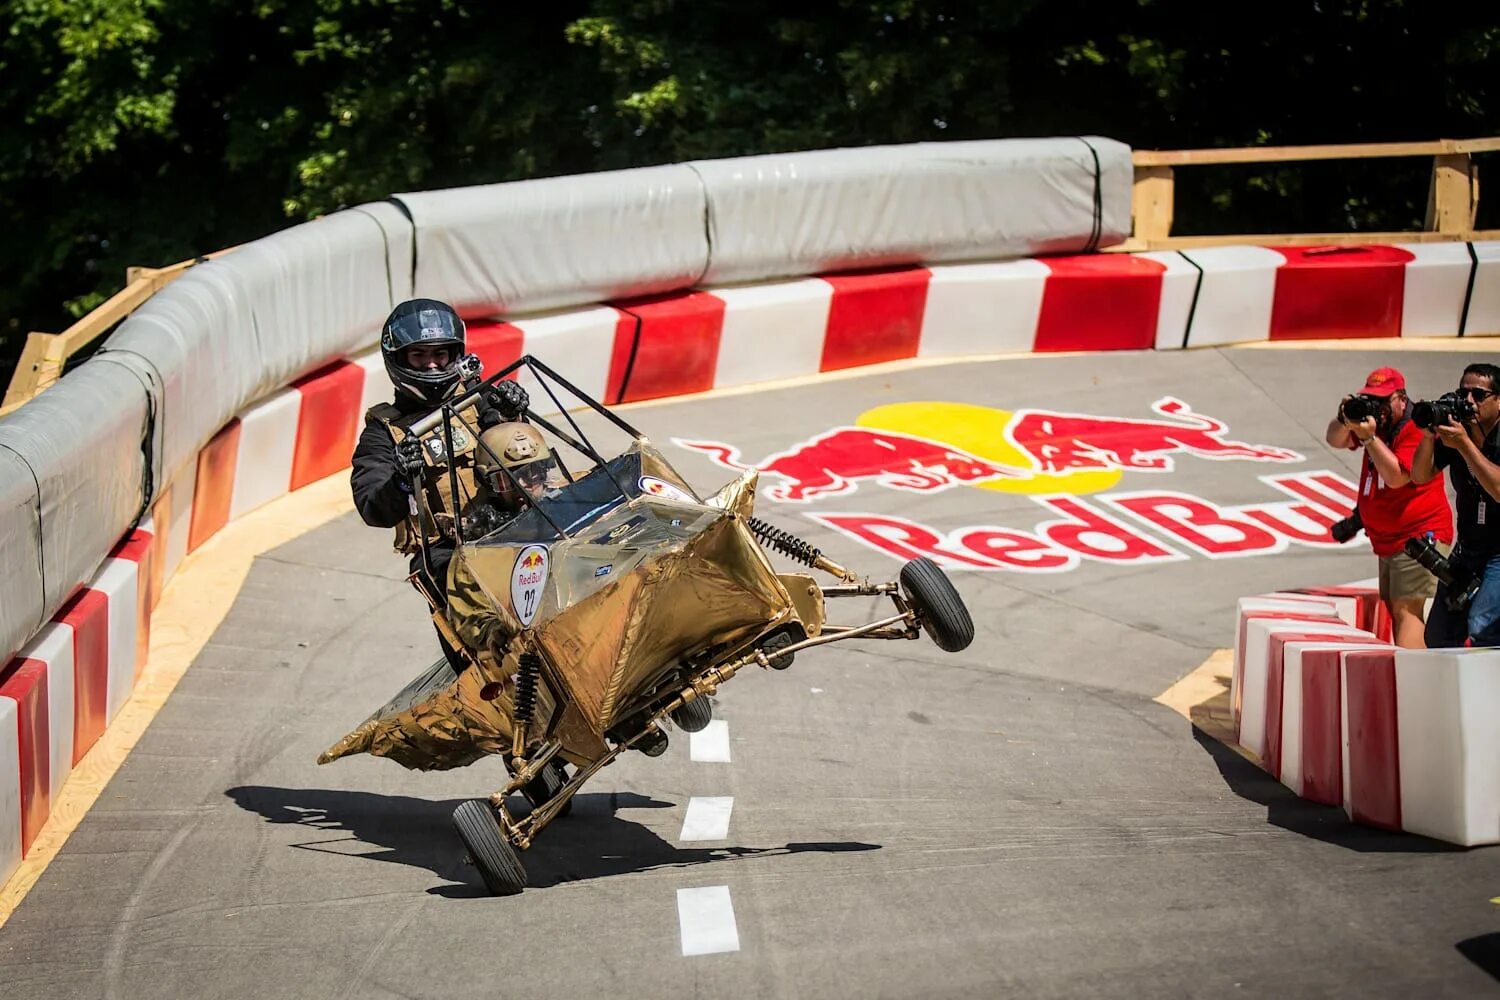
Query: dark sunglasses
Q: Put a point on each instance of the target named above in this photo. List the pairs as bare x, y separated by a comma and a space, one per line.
1475, 393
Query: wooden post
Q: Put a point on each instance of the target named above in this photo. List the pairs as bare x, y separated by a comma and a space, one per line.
1453, 194
40, 364
1151, 202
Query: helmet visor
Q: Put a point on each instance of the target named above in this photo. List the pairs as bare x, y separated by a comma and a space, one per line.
536, 477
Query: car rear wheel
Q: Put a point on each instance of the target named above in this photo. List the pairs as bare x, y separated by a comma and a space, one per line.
694, 716
937, 603
491, 853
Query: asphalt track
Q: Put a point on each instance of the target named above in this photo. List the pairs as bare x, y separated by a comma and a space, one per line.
1018, 819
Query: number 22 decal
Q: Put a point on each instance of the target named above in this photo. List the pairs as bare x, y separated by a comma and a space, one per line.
526, 582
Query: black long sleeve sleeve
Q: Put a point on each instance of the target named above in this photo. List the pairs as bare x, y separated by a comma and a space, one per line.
380, 492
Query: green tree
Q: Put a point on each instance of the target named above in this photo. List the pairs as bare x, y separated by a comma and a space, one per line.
148, 131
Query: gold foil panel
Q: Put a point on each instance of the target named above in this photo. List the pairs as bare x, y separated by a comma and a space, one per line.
807, 599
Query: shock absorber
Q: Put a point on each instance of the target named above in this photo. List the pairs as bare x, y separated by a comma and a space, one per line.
531, 666
784, 542
795, 548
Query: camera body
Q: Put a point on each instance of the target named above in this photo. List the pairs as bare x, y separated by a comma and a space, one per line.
1430, 413
1462, 584
1346, 529
1356, 409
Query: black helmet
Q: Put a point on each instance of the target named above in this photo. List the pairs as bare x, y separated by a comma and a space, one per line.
429, 323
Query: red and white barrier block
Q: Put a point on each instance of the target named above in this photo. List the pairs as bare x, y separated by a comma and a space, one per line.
1403, 739
65, 686
1252, 293
1448, 736
1294, 608
1308, 745
1263, 681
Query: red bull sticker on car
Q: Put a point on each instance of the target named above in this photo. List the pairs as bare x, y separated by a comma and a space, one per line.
526, 582
661, 488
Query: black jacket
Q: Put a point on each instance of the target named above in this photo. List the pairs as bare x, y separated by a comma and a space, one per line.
381, 492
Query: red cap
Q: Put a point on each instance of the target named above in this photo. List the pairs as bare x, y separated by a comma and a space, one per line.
1383, 382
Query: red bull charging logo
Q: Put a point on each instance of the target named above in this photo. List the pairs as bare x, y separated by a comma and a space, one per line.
1057, 458
1038, 448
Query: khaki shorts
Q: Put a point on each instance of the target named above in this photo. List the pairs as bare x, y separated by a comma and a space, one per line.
1403, 578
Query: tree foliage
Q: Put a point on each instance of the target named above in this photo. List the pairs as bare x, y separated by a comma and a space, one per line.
147, 131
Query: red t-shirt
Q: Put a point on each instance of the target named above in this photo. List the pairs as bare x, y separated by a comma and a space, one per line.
1394, 514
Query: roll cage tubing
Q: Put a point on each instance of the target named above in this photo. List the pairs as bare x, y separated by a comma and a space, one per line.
454, 409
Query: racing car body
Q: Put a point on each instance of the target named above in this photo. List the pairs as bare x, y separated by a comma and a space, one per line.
604, 608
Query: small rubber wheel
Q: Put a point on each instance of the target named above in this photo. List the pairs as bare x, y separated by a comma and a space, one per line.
545, 786
780, 640
935, 600
654, 743
694, 716
492, 854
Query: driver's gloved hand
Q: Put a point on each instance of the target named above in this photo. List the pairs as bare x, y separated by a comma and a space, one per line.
409, 458
510, 399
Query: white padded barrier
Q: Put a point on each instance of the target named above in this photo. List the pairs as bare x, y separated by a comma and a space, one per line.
772, 331
1448, 733
10, 788
1310, 726
1436, 278
1179, 286
268, 440
577, 344
1264, 606
982, 308
1236, 294
1255, 674
1484, 304
53, 645
119, 581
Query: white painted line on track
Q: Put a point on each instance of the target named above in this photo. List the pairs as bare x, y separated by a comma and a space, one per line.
706, 917
710, 745
707, 818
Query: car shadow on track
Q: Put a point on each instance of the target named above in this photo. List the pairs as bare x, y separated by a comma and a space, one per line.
1326, 823
1483, 951
592, 842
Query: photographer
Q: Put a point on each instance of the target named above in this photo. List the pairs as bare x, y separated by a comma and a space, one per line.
1393, 504
1464, 442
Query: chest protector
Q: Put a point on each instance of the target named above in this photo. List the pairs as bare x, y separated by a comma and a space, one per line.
436, 485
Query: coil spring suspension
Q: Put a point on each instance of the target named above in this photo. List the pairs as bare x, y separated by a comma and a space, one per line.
784, 542
531, 666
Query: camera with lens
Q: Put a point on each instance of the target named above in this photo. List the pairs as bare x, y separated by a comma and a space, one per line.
1430, 413
1346, 529
1462, 584
1356, 409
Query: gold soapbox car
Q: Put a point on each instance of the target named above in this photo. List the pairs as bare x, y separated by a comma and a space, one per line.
624, 600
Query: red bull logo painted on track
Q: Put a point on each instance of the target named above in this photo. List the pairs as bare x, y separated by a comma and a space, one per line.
1119, 529
1057, 458
1067, 442
912, 447
833, 463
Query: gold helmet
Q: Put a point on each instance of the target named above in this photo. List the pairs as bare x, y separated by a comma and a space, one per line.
521, 449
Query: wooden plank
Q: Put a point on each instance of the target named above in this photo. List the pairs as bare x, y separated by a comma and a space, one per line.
39, 366
1291, 154
43, 364
1299, 239
1151, 202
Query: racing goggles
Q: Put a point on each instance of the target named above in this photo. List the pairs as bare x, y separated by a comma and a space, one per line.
534, 477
